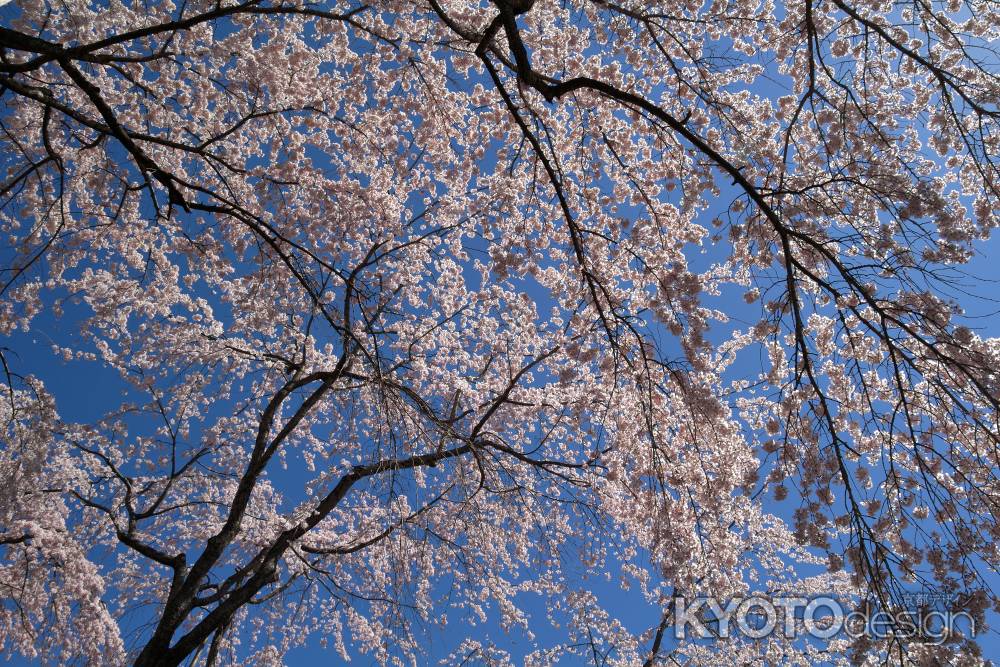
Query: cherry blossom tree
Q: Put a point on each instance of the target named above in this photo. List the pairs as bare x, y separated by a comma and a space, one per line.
425, 310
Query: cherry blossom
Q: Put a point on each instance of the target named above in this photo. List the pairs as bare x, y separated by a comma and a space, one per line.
427, 311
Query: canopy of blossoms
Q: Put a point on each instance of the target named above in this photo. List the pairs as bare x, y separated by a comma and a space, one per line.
447, 312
